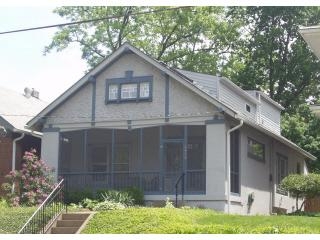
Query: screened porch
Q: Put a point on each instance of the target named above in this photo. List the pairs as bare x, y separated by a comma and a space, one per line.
151, 158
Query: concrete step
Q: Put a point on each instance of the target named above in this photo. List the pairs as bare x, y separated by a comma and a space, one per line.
69, 223
64, 230
75, 216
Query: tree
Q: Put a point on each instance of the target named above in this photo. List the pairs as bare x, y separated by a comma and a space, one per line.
193, 38
273, 57
301, 186
302, 127
32, 183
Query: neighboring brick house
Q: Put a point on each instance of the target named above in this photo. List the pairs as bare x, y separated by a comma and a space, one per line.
16, 109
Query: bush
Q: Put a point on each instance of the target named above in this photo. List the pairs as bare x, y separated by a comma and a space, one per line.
136, 194
78, 196
118, 197
89, 203
129, 196
108, 205
301, 186
32, 184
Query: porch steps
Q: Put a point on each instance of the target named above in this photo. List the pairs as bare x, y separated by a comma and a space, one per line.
70, 223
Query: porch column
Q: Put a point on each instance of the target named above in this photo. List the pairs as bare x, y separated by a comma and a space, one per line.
215, 160
50, 149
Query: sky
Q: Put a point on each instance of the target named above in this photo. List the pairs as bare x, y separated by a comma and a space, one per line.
22, 61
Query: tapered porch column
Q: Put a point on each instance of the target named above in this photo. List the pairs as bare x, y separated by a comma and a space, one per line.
50, 149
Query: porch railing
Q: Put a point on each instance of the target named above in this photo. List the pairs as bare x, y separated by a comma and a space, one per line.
149, 182
47, 212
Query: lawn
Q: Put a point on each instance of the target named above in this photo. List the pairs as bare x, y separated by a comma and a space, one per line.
165, 220
13, 218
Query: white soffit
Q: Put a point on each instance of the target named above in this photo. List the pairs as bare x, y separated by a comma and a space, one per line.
312, 36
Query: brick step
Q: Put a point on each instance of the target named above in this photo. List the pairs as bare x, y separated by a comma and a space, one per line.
69, 223
64, 230
75, 216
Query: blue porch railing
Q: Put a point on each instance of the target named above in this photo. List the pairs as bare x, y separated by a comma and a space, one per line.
149, 182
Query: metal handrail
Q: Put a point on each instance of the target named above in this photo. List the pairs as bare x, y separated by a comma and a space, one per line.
38, 222
181, 178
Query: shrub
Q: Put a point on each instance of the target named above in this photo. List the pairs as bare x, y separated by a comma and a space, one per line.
108, 205
30, 185
169, 204
136, 194
117, 197
78, 196
89, 203
301, 186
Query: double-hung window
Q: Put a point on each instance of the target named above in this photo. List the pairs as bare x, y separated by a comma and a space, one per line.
256, 150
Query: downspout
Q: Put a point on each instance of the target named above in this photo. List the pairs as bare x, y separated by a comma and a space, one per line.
14, 147
228, 161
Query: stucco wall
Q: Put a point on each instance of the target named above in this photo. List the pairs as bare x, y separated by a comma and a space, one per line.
254, 174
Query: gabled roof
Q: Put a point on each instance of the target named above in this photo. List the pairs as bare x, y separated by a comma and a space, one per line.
127, 48
16, 109
187, 78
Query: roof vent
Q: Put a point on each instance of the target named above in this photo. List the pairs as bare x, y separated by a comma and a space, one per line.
3, 132
35, 93
27, 92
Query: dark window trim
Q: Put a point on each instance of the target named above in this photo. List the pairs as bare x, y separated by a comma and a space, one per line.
254, 156
129, 80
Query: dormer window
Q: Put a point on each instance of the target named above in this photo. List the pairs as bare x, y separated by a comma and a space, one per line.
113, 92
144, 89
129, 89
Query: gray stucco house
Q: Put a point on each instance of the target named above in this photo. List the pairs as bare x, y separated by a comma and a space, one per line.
134, 121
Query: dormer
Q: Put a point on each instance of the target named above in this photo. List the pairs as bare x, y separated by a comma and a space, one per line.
268, 112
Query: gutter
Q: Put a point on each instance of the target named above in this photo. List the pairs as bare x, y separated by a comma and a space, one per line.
228, 161
14, 147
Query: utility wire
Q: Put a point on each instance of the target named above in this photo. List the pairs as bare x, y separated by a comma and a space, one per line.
92, 20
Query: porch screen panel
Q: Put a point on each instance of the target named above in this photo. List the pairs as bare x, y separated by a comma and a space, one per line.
150, 160
71, 153
99, 150
196, 159
234, 162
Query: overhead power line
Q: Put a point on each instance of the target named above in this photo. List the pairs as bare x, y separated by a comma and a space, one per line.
92, 20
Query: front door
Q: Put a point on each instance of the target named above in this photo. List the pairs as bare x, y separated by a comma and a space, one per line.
173, 164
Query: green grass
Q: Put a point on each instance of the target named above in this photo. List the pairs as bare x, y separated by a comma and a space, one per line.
164, 220
13, 218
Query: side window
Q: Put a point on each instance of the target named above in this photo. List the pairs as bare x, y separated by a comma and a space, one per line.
234, 162
256, 150
298, 168
282, 172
